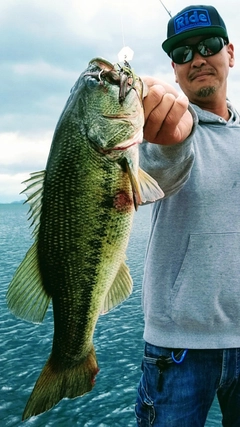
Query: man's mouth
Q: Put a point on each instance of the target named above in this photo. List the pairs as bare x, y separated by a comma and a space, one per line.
200, 74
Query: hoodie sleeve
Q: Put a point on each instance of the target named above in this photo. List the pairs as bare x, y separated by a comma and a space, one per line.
169, 165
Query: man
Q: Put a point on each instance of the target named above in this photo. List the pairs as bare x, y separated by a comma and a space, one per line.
191, 286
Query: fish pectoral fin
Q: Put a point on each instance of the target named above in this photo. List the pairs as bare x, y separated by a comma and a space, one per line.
26, 297
144, 187
120, 289
136, 189
149, 188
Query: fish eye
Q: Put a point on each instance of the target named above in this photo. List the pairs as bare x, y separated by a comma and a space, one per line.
92, 80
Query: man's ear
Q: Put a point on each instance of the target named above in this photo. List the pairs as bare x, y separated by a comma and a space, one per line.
230, 49
173, 65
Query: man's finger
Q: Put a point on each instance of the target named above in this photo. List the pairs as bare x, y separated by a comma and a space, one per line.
174, 115
153, 99
157, 117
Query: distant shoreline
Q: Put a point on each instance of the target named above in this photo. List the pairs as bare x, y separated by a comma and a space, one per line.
20, 202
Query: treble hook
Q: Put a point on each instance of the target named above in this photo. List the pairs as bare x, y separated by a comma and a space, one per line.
99, 75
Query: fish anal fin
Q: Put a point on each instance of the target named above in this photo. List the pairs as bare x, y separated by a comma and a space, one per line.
55, 383
26, 297
120, 289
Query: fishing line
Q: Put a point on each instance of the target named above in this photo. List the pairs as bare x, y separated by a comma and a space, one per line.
126, 53
168, 11
122, 30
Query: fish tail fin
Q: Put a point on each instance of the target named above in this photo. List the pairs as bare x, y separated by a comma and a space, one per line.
55, 383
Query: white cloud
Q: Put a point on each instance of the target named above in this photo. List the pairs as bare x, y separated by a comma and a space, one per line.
11, 187
20, 155
18, 149
42, 69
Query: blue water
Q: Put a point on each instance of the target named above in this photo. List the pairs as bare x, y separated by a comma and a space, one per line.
24, 347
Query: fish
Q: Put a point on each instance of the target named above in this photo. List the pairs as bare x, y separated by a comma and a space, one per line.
81, 211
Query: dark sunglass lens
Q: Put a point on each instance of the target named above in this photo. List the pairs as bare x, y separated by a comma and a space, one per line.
207, 47
210, 46
181, 54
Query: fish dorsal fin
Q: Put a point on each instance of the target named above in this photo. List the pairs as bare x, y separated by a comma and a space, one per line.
26, 297
34, 190
120, 289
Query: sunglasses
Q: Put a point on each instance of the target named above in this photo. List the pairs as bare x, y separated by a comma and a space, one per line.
207, 47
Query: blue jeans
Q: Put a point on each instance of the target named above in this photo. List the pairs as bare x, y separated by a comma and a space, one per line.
182, 394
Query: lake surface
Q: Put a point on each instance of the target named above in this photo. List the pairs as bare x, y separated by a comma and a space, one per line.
24, 347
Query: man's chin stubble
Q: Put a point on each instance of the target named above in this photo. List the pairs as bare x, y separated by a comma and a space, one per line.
204, 92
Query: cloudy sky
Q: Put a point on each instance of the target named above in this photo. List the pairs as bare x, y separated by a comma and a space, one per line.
46, 44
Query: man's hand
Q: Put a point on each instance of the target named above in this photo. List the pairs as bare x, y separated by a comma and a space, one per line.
167, 119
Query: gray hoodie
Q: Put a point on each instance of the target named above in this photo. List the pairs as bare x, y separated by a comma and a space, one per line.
191, 286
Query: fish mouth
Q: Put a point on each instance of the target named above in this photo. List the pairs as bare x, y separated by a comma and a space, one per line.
115, 74
102, 63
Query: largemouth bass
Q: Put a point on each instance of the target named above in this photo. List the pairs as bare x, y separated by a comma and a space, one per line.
82, 208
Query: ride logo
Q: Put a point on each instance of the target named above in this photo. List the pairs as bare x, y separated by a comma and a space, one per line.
190, 19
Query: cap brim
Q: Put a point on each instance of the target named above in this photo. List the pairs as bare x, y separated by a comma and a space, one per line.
169, 44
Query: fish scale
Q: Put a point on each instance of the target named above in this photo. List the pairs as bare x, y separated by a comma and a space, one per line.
82, 209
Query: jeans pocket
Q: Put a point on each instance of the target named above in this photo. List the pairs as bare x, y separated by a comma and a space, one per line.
144, 408
155, 352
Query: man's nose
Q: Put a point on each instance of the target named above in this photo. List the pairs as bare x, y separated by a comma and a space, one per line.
198, 60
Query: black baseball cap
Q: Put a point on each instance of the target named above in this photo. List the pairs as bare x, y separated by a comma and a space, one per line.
194, 21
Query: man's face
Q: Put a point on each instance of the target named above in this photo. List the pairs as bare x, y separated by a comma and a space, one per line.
204, 77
